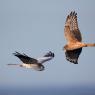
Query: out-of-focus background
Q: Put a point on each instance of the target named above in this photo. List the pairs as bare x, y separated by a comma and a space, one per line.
35, 27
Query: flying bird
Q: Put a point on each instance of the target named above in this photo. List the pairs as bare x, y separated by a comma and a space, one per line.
33, 63
74, 45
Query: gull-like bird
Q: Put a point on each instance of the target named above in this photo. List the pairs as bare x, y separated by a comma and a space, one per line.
33, 63
74, 45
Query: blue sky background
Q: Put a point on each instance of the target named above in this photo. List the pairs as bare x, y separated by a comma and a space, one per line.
35, 27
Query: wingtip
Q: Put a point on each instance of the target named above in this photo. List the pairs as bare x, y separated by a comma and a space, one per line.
16, 53
49, 54
52, 54
72, 61
75, 62
73, 13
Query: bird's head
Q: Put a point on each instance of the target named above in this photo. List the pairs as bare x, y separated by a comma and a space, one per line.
40, 67
65, 47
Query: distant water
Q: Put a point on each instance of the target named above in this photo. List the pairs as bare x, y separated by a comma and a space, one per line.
80, 90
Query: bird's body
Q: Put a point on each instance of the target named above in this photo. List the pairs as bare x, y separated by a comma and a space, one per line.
33, 63
36, 66
74, 45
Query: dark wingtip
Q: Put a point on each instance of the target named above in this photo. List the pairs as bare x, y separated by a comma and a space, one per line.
16, 53
73, 13
75, 62
52, 54
72, 61
49, 54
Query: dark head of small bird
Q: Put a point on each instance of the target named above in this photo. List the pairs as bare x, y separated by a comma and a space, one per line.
65, 47
41, 67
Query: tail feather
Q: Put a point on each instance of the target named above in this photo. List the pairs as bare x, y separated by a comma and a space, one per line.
13, 64
90, 45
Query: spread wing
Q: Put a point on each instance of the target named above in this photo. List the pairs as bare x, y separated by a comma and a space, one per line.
24, 58
73, 55
72, 32
48, 56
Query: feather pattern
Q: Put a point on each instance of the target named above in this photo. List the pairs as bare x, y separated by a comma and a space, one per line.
73, 55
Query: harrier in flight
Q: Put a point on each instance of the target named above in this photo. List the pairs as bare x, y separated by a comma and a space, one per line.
33, 63
74, 45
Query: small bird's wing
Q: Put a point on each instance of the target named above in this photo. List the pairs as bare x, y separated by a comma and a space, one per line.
73, 55
24, 58
71, 30
48, 56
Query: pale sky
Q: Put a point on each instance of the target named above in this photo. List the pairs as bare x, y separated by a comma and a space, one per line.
35, 27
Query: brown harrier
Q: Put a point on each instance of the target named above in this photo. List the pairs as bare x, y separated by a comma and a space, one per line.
72, 33
33, 63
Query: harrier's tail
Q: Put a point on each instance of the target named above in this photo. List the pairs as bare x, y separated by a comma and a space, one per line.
14, 64
90, 45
